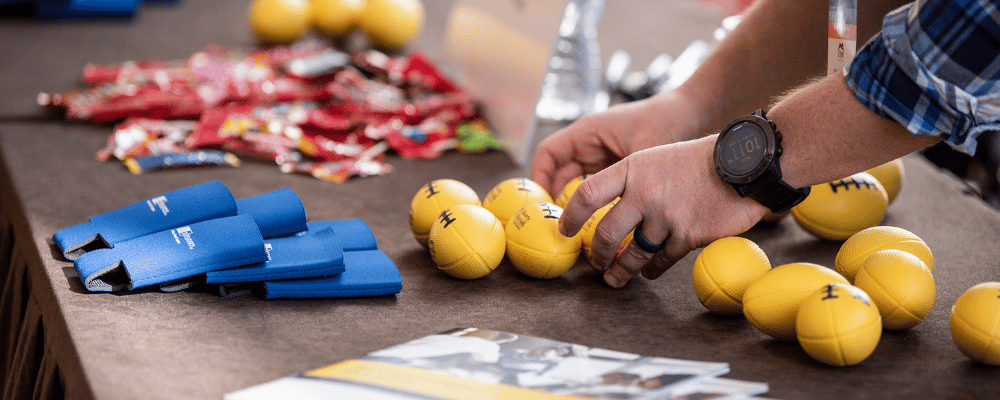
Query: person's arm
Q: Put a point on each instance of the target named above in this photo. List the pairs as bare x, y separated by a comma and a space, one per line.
779, 45
928, 87
674, 190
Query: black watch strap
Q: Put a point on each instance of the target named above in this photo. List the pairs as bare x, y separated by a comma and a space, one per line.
777, 195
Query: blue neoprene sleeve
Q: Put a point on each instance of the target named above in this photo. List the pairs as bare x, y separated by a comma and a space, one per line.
295, 257
367, 273
278, 213
172, 209
173, 254
353, 233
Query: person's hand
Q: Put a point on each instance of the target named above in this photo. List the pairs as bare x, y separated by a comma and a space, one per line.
596, 141
674, 192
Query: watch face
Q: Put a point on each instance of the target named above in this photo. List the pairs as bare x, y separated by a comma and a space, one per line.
742, 148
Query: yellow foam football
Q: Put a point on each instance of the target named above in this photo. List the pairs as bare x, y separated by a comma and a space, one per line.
466, 241
509, 196
890, 175
836, 210
901, 286
434, 197
279, 21
392, 23
975, 323
534, 244
724, 270
861, 245
838, 325
772, 301
568, 190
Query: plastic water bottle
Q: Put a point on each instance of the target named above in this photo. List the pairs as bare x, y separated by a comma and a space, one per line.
572, 86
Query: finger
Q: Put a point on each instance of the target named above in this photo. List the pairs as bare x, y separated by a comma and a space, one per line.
674, 250
544, 167
593, 193
610, 232
635, 256
563, 176
656, 266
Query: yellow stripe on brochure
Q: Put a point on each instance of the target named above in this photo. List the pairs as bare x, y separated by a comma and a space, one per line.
426, 382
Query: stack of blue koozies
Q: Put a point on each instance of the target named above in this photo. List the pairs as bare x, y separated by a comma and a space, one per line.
203, 235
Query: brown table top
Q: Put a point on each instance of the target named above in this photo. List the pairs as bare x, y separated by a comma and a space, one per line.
198, 345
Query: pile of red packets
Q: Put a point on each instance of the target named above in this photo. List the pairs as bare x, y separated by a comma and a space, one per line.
308, 107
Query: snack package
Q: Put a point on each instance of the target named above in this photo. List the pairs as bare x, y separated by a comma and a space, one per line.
307, 107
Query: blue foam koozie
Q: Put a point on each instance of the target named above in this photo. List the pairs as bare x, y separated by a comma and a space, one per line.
278, 213
170, 210
173, 254
310, 255
354, 234
367, 273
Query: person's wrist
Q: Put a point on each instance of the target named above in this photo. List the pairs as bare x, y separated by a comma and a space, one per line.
703, 105
789, 170
756, 210
686, 115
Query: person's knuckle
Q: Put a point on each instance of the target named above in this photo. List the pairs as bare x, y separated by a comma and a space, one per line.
603, 235
587, 193
633, 258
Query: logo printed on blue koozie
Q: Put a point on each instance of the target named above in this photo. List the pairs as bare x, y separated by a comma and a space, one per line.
184, 231
267, 249
159, 201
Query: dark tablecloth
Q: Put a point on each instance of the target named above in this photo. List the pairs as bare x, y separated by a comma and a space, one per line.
56, 340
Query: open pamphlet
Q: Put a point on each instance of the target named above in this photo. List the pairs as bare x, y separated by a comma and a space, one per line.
471, 363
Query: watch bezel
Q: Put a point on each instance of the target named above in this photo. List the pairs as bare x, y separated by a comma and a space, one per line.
770, 148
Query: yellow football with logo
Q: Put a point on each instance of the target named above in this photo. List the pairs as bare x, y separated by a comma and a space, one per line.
466, 241
509, 196
838, 325
772, 301
534, 244
434, 197
836, 210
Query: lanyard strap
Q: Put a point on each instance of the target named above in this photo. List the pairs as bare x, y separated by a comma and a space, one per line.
842, 34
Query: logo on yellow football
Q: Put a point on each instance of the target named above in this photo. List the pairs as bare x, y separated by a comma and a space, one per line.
836, 210
838, 325
534, 244
434, 197
509, 196
466, 241
772, 301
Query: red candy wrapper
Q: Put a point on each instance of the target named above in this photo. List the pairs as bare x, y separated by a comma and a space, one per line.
367, 163
138, 137
307, 107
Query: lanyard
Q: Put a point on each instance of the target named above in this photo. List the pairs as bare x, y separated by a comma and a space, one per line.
842, 34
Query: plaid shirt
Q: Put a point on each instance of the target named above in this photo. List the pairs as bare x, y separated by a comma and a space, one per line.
934, 68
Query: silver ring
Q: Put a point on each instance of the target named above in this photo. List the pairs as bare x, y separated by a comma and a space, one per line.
644, 243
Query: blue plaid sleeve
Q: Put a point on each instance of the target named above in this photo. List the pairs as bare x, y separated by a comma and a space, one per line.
934, 69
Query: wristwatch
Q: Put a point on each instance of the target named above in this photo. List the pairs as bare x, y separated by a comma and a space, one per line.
746, 156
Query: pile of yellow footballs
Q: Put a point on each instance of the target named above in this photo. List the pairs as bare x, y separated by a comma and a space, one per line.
882, 276
468, 237
881, 280
388, 23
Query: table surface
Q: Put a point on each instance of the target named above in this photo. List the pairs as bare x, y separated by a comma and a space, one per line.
198, 345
